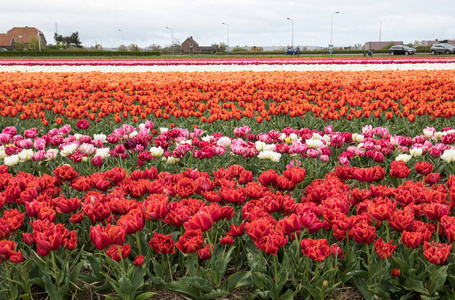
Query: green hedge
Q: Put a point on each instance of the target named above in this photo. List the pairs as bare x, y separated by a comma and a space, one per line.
77, 53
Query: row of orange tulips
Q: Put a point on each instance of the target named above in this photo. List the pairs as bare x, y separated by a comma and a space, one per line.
57, 97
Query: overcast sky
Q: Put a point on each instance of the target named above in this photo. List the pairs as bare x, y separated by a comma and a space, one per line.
250, 22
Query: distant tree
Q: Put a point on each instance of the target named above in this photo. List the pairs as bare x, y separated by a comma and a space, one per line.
19, 45
417, 43
52, 47
68, 41
33, 43
98, 47
223, 47
238, 49
386, 47
155, 47
122, 48
134, 48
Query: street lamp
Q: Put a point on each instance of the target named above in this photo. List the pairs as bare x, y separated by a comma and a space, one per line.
123, 38
380, 29
172, 39
292, 39
172, 35
331, 27
227, 27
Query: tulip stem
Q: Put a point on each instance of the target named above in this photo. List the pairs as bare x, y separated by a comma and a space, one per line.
347, 261
55, 270
9, 280
275, 268
297, 250
169, 264
197, 264
437, 232
138, 241
369, 263
121, 257
386, 224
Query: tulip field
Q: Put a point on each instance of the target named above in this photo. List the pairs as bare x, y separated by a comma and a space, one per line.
254, 178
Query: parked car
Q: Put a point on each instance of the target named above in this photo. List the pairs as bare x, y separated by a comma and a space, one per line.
291, 51
401, 49
442, 48
3, 49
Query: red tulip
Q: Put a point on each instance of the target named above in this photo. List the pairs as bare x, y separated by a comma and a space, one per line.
139, 260
399, 169
411, 239
132, 222
317, 250
163, 244
65, 206
272, 242
99, 237
237, 230
381, 208
115, 251
205, 253
190, 241
65, 173
227, 240
336, 251
384, 250
83, 124
395, 272
435, 211
402, 220
363, 233
423, 167
436, 253
202, 220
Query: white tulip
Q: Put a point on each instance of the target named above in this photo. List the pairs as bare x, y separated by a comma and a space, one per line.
172, 160
403, 157
25, 155
69, 149
156, 151
448, 155
103, 152
224, 142
314, 143
416, 152
358, 138
11, 160
100, 136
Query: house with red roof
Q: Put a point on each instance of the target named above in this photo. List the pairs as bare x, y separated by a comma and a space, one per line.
190, 46
21, 37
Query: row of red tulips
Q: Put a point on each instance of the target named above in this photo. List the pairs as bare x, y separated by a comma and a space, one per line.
221, 61
198, 212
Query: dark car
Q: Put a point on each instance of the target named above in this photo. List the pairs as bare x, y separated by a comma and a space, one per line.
442, 48
291, 51
401, 49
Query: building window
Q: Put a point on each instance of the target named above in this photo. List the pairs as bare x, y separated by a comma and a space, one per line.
191, 45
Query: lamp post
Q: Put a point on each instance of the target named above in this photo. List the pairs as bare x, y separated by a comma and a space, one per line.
380, 29
172, 39
292, 35
227, 28
331, 31
123, 38
172, 35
